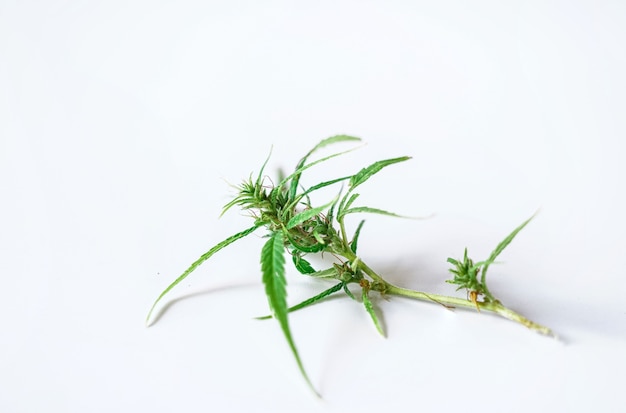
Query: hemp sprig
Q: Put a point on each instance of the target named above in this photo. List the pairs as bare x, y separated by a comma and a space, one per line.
294, 226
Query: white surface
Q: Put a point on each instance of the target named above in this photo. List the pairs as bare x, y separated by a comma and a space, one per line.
119, 121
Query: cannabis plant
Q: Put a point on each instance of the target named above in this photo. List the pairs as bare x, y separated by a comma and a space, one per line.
296, 228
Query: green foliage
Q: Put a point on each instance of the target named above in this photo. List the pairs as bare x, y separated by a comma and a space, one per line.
466, 276
370, 211
302, 265
312, 300
295, 226
273, 270
501, 246
199, 261
369, 307
293, 187
366, 173
466, 272
355, 238
307, 214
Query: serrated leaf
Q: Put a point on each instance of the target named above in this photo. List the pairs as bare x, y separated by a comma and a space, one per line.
331, 211
334, 139
306, 193
307, 214
198, 262
298, 171
366, 173
293, 187
369, 307
345, 203
310, 301
302, 265
325, 184
348, 292
371, 211
501, 246
355, 239
327, 273
308, 249
273, 269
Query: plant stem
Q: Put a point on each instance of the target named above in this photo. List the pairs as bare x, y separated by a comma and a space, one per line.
363, 266
344, 237
452, 302
493, 306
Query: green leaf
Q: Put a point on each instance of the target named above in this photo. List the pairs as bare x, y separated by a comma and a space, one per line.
259, 179
348, 292
366, 173
302, 265
307, 166
311, 248
331, 211
307, 214
310, 301
306, 193
501, 246
345, 204
371, 211
327, 273
355, 239
244, 198
273, 269
325, 184
334, 139
199, 261
293, 187
369, 307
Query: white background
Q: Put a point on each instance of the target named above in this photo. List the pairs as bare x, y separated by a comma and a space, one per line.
122, 121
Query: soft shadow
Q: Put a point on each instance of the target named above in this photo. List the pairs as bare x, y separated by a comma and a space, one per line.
566, 317
157, 314
416, 271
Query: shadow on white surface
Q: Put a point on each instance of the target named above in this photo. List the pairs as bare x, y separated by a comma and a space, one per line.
168, 302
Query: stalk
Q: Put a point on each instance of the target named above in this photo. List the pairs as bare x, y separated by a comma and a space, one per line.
495, 307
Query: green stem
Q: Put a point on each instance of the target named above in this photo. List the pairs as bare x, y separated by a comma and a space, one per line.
363, 266
452, 302
493, 306
486, 291
344, 237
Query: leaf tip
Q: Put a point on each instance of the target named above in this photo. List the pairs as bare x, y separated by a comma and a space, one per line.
148, 321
